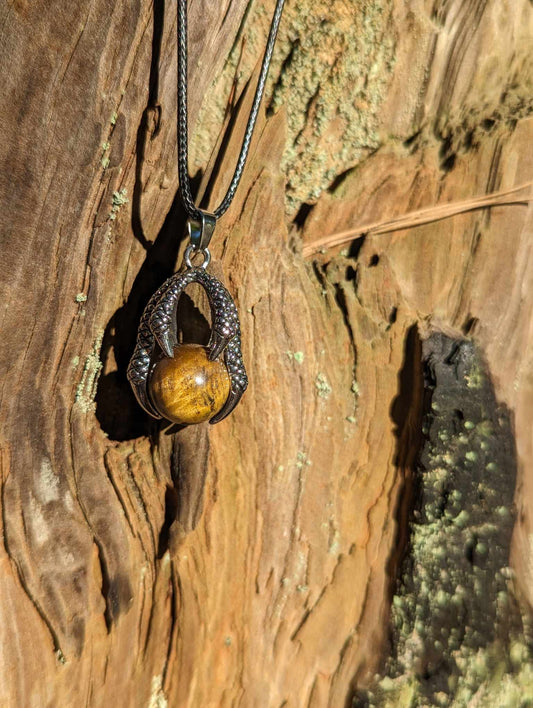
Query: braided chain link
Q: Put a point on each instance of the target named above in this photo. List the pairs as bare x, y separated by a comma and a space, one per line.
183, 134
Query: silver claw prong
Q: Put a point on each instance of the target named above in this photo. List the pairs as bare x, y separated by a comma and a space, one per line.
217, 344
142, 397
233, 398
164, 341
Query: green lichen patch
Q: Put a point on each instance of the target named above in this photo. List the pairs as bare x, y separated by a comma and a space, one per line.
323, 389
104, 160
354, 388
302, 460
298, 357
117, 202
86, 389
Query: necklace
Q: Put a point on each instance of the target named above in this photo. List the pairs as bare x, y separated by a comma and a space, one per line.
190, 383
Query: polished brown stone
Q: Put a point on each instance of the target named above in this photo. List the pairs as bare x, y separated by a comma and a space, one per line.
188, 388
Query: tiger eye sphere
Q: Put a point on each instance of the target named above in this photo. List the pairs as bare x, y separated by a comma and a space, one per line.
188, 388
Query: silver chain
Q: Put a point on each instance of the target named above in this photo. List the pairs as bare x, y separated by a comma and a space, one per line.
183, 135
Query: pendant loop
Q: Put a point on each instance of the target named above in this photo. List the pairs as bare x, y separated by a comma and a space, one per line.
192, 250
201, 230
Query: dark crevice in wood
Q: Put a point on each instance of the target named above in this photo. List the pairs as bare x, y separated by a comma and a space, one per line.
488, 124
302, 214
448, 163
355, 246
340, 179
175, 593
411, 143
340, 299
494, 177
350, 274
106, 587
150, 122
407, 415
470, 325
116, 589
158, 9
407, 412
110, 475
171, 510
447, 154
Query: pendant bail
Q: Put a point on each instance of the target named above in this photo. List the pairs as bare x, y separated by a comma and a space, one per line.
201, 230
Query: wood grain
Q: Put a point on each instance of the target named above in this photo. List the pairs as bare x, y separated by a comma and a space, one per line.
253, 563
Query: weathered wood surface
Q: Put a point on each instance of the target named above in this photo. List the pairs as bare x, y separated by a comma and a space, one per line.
252, 564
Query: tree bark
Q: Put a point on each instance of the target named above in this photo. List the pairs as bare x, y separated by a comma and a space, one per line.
262, 561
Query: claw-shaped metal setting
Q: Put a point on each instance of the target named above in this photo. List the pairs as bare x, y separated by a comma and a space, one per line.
158, 328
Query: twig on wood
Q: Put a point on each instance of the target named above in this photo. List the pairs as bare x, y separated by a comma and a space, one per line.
422, 216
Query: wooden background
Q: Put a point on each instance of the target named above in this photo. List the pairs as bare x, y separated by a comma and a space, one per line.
254, 563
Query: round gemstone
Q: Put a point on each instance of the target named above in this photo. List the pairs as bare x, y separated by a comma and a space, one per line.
188, 388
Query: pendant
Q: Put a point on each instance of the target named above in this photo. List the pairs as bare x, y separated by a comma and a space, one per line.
189, 383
